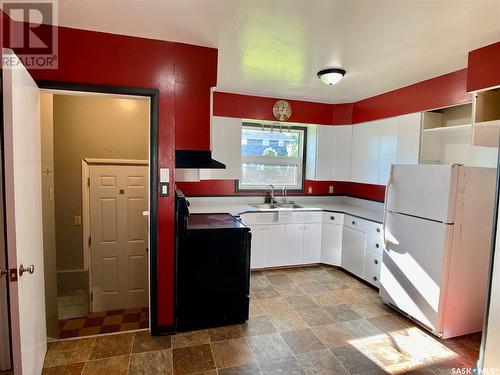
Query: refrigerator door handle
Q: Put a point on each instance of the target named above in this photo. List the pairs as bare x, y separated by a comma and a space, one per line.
385, 206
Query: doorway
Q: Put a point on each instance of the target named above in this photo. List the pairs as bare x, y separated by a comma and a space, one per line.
95, 195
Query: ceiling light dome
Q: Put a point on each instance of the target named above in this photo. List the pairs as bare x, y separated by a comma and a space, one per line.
331, 76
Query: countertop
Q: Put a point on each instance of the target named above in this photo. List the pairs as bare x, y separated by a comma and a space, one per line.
239, 208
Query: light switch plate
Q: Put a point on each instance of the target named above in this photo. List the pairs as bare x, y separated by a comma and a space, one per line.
78, 220
164, 175
330, 189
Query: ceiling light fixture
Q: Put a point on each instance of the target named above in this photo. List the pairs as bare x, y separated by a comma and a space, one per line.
331, 76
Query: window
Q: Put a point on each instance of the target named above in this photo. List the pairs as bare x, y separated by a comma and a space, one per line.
271, 156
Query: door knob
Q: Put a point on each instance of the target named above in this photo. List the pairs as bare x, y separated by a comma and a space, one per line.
29, 269
3, 272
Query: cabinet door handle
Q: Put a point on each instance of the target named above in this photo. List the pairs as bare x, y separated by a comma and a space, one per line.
377, 246
375, 278
376, 261
378, 230
353, 222
332, 218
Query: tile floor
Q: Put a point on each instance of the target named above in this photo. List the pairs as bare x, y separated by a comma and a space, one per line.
313, 320
104, 322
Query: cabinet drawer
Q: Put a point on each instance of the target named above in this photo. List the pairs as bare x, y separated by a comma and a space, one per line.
333, 218
307, 217
356, 223
375, 244
372, 266
260, 218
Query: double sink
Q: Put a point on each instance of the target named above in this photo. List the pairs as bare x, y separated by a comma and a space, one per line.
274, 206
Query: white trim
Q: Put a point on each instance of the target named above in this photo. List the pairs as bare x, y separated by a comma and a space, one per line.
115, 161
85, 214
91, 93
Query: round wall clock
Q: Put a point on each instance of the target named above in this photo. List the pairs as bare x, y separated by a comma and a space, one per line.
282, 110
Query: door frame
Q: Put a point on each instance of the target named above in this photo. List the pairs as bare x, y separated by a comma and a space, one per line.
153, 94
4, 320
87, 163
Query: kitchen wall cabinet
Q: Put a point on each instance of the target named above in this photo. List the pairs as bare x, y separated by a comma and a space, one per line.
448, 136
365, 152
312, 243
378, 144
329, 153
226, 148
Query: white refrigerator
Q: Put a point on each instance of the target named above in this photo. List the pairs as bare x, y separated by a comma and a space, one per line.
437, 231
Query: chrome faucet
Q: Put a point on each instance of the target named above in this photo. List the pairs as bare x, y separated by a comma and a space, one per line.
272, 193
283, 194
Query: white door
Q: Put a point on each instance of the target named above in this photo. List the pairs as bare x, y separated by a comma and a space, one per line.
365, 152
258, 243
294, 244
341, 153
426, 191
331, 244
413, 273
23, 206
324, 155
353, 250
119, 261
312, 243
275, 245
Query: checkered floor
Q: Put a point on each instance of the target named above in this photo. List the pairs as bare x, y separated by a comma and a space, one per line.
104, 322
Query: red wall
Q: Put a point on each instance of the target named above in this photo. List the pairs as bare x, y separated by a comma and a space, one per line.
260, 108
227, 188
433, 93
182, 73
484, 68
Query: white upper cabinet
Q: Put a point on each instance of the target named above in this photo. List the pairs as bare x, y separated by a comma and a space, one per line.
226, 148
365, 152
329, 153
341, 158
388, 148
448, 137
409, 138
378, 144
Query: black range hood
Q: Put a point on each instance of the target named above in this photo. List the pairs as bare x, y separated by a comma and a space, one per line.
196, 159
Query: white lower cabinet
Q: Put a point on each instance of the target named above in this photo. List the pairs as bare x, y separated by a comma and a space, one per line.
258, 248
331, 244
275, 250
294, 244
353, 250
339, 240
312, 243
372, 264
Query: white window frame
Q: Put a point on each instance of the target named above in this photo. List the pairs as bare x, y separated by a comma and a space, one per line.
277, 160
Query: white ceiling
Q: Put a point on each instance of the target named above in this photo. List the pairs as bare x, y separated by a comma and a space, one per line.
275, 47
